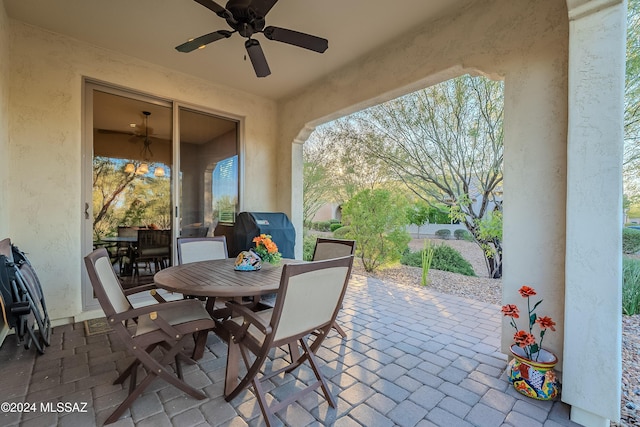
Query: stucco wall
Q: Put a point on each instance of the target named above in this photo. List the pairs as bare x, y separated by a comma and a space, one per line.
526, 43
4, 122
45, 79
490, 37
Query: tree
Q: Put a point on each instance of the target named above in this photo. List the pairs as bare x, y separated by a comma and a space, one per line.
632, 86
445, 143
317, 180
377, 222
122, 198
418, 214
109, 182
632, 104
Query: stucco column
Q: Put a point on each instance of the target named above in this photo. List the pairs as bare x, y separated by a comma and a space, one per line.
290, 175
296, 193
535, 190
593, 309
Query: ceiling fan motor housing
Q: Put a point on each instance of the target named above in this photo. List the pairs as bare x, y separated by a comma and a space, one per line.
248, 20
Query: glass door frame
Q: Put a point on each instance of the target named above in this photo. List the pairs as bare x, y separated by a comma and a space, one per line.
89, 303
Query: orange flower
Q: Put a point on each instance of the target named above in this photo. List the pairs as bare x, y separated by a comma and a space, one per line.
524, 338
546, 322
511, 310
526, 291
271, 247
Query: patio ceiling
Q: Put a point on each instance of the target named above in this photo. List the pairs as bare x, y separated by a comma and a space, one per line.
150, 29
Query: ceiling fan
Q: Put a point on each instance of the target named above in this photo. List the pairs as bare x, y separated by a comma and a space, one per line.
247, 17
136, 132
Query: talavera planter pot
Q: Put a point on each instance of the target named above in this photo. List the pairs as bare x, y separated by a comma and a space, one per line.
534, 378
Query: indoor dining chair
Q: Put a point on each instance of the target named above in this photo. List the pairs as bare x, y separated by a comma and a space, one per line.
307, 303
165, 326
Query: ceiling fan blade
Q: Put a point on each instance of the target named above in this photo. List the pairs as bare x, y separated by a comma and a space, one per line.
263, 6
217, 9
296, 38
202, 41
257, 58
116, 132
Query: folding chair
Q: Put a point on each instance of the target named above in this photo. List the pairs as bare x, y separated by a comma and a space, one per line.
306, 306
165, 326
333, 248
23, 298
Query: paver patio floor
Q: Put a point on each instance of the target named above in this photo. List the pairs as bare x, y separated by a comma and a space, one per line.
413, 357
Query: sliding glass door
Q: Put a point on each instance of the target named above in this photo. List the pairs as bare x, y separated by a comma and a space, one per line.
208, 173
133, 204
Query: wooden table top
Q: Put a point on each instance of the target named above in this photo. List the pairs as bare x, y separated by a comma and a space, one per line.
217, 278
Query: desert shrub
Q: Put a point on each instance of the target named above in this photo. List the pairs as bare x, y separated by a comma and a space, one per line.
461, 234
308, 245
335, 226
341, 233
443, 233
321, 226
630, 240
378, 220
630, 286
445, 258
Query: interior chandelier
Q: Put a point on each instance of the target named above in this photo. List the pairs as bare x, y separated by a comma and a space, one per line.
146, 154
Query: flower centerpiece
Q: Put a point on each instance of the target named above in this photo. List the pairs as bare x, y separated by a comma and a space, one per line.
532, 367
266, 249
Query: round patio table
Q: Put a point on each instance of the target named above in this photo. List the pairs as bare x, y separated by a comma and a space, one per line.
217, 278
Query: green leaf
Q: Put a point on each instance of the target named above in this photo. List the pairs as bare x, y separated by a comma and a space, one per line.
532, 320
534, 348
537, 304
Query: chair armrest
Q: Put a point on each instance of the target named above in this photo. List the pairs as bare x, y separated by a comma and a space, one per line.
151, 287
158, 308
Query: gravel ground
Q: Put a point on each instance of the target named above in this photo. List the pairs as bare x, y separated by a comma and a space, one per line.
490, 290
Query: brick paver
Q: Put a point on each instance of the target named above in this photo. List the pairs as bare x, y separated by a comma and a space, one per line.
413, 357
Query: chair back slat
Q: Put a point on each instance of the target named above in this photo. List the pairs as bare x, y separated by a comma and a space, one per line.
105, 282
310, 301
333, 248
201, 249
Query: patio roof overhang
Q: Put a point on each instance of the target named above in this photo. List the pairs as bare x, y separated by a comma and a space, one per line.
563, 65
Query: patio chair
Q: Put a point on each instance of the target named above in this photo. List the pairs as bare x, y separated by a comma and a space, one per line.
333, 248
164, 326
194, 249
306, 306
24, 307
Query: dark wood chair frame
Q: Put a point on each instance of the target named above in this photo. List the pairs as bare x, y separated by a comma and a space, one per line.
169, 335
345, 247
243, 343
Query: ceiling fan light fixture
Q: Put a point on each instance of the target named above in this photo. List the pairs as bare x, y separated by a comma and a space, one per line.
143, 169
159, 172
129, 168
